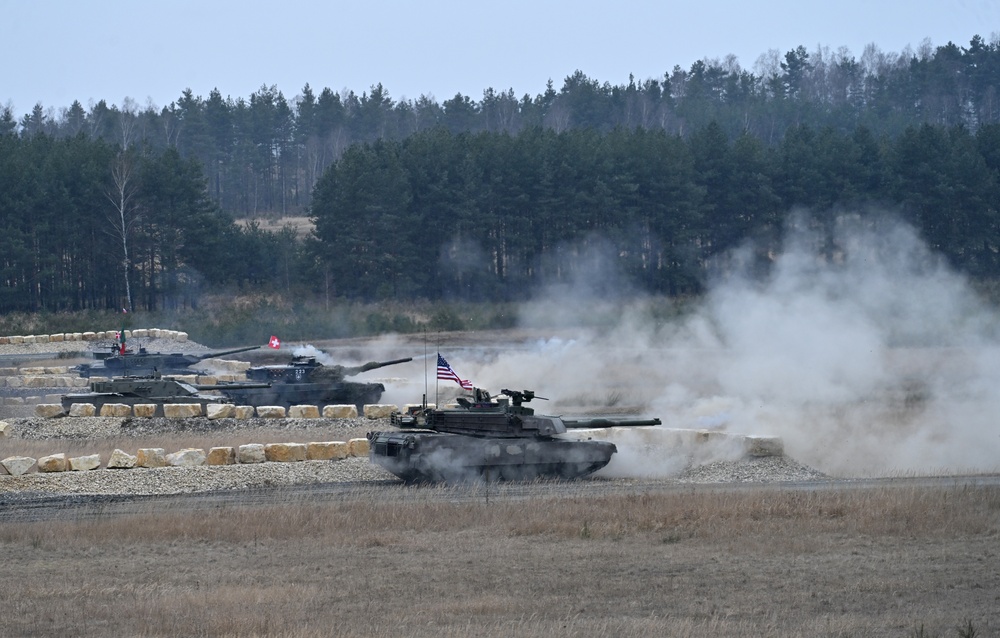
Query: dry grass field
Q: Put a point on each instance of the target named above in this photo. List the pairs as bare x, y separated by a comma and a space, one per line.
886, 561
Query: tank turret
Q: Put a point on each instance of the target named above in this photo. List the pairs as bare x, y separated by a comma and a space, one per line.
141, 363
486, 439
305, 381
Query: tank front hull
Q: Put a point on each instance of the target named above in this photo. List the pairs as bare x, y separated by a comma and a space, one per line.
432, 457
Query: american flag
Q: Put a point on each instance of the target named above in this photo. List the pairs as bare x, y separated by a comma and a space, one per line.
446, 373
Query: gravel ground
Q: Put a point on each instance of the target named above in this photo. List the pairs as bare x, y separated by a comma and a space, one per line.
212, 478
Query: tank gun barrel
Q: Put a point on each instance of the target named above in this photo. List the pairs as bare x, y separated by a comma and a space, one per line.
373, 365
580, 424
212, 355
230, 385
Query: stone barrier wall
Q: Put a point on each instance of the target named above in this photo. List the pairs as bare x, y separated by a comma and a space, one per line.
104, 335
216, 411
191, 457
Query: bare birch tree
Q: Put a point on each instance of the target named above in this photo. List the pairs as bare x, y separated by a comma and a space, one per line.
124, 214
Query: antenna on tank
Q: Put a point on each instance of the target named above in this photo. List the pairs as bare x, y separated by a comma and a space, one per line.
424, 406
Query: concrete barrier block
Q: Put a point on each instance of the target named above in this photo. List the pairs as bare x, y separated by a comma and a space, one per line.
251, 453
17, 465
340, 412
85, 463
220, 411
358, 447
285, 452
49, 410
303, 412
181, 410
121, 460
379, 410
144, 410
188, 457
82, 409
53, 463
151, 457
327, 451
221, 456
244, 412
116, 409
271, 411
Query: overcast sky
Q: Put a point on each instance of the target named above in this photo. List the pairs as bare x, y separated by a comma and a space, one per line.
57, 51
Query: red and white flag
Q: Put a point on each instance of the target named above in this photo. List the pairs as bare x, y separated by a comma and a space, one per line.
274, 342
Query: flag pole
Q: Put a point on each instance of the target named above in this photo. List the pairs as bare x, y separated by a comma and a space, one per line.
424, 406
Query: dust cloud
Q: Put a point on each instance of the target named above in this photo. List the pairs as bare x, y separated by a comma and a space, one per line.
876, 359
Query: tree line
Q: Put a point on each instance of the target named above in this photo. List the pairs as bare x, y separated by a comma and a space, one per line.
264, 154
484, 216
122, 208
87, 225
499, 217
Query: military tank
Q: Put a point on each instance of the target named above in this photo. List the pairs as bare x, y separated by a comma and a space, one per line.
486, 439
305, 381
151, 389
142, 363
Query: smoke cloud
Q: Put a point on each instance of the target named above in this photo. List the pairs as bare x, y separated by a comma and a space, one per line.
874, 359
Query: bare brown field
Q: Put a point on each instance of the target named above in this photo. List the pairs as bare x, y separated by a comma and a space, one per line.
884, 561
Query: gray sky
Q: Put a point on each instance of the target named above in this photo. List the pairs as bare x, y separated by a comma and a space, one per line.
57, 51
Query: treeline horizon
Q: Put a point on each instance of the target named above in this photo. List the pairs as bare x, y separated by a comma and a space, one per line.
483, 217
263, 154
109, 214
